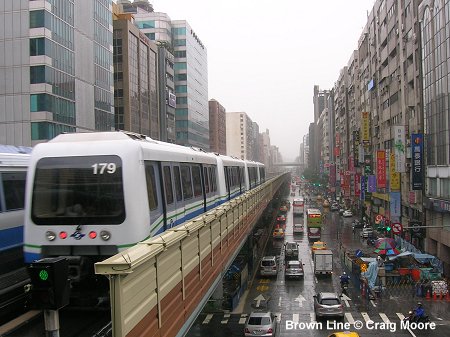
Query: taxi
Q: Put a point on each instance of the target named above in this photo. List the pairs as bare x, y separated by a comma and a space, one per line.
318, 245
278, 233
344, 334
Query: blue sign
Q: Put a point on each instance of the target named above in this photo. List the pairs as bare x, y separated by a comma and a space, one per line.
363, 188
417, 159
372, 184
395, 204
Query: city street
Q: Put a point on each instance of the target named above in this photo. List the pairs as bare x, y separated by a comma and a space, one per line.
292, 300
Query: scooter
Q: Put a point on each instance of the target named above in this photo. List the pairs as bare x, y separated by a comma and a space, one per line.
413, 319
344, 287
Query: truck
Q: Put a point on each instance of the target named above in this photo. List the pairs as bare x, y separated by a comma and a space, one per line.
323, 261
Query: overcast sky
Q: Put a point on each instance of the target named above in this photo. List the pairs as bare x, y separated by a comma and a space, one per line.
264, 57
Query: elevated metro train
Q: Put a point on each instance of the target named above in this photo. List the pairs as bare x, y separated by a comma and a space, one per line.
92, 195
13, 172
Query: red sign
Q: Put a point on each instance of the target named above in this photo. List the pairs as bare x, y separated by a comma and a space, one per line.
381, 169
357, 185
397, 228
336, 151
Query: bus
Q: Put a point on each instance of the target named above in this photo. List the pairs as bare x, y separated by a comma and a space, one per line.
314, 222
298, 206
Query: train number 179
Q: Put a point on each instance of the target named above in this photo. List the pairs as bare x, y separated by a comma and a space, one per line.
101, 168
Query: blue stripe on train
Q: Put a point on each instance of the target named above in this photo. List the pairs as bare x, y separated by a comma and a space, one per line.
11, 238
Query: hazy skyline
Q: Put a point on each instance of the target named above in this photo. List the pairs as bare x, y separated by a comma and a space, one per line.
264, 57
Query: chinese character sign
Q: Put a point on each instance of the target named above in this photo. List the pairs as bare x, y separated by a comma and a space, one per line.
372, 184
399, 148
357, 185
365, 127
394, 176
417, 158
363, 188
381, 169
395, 204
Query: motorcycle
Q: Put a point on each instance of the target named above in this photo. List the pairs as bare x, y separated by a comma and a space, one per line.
413, 319
344, 287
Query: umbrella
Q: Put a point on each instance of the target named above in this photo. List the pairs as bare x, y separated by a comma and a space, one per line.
387, 252
385, 243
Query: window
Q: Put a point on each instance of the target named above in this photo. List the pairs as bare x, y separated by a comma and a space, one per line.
176, 173
180, 65
180, 53
145, 24
151, 36
181, 77
196, 178
181, 89
206, 178
179, 31
151, 186
168, 185
182, 100
37, 74
186, 181
37, 18
37, 46
14, 189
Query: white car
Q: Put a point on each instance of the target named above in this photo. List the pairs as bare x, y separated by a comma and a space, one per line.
347, 213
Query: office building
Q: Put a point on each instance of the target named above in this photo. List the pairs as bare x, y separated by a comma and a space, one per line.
217, 127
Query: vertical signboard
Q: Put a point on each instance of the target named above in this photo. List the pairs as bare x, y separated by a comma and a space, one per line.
361, 154
356, 143
351, 164
332, 176
395, 205
381, 169
363, 188
372, 184
394, 176
399, 148
417, 159
347, 181
365, 127
357, 184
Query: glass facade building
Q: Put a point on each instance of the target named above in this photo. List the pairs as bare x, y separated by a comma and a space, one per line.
56, 84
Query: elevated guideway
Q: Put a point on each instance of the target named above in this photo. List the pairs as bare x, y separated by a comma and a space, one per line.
159, 286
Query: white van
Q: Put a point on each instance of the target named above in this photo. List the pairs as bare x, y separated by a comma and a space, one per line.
298, 228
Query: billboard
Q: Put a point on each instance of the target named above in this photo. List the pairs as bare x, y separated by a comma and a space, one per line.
381, 169
365, 127
394, 176
417, 161
400, 148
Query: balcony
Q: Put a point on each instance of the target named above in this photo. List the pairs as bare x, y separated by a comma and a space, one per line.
383, 55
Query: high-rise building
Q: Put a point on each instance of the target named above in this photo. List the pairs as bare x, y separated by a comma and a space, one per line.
135, 79
56, 70
239, 135
190, 70
217, 127
434, 21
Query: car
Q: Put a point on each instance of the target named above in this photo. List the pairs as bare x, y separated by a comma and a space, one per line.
366, 232
357, 224
348, 213
344, 334
283, 208
260, 323
318, 245
334, 207
281, 219
278, 233
294, 269
291, 249
298, 228
341, 211
327, 305
268, 266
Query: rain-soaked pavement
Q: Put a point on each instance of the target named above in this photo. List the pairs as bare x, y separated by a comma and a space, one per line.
292, 300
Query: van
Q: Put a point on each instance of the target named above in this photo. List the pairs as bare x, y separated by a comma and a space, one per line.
298, 228
366, 232
268, 266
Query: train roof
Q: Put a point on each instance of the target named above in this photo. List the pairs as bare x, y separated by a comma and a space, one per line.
15, 149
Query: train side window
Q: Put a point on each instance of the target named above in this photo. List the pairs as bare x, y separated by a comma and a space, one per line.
168, 185
186, 181
213, 179
176, 174
14, 189
196, 178
225, 171
151, 186
206, 178
241, 175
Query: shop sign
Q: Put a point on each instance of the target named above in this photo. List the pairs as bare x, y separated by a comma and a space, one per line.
440, 205
417, 159
365, 128
372, 184
381, 169
395, 204
357, 185
400, 148
356, 142
363, 188
394, 176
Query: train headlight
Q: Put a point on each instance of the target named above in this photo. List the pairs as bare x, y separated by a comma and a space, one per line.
92, 234
105, 235
50, 235
63, 235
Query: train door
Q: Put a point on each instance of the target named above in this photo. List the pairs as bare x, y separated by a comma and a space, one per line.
155, 204
172, 203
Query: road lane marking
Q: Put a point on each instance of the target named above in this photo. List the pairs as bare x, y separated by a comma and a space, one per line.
312, 316
400, 316
295, 317
384, 318
243, 319
373, 303
365, 316
278, 314
279, 301
207, 319
349, 318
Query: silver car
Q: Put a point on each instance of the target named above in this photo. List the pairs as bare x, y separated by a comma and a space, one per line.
268, 266
328, 304
260, 324
294, 269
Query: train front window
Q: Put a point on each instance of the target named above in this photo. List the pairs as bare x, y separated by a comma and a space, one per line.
78, 191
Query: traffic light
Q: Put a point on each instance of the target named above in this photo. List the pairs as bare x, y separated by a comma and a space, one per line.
50, 286
388, 228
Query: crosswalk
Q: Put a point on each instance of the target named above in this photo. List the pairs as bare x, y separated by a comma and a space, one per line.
225, 318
